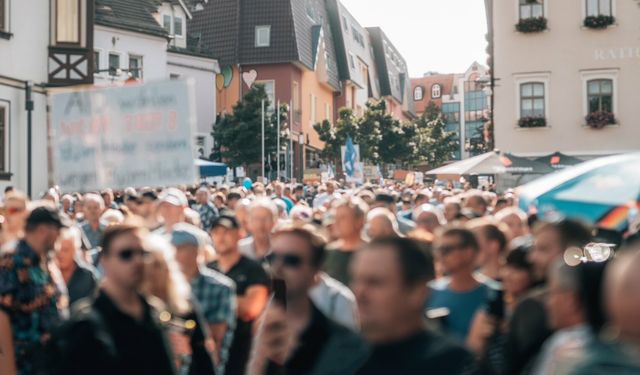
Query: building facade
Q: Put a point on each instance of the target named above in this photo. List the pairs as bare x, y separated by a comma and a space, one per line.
463, 98
565, 76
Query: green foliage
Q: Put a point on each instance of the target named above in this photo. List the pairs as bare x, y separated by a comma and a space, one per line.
238, 136
435, 144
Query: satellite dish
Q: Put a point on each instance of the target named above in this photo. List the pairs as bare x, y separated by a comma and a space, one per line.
573, 256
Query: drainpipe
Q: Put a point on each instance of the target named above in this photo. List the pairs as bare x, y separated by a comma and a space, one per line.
28, 86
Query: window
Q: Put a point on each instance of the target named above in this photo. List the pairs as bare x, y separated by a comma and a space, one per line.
327, 111
270, 89
418, 93
352, 61
600, 95
598, 8
436, 91
532, 100
114, 64
263, 36
451, 112
166, 23
531, 9
135, 66
177, 26
3, 15
96, 62
313, 102
3, 137
68, 21
311, 11
174, 76
346, 24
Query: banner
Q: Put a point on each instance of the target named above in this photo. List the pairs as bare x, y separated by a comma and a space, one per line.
358, 167
139, 135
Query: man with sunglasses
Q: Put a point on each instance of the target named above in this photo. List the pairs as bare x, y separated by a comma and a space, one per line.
119, 332
461, 293
252, 287
298, 338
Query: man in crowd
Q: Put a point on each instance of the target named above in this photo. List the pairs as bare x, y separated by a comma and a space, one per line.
349, 220
390, 283
262, 218
382, 223
567, 317
461, 293
32, 294
300, 339
171, 209
148, 209
107, 197
208, 212
388, 201
529, 327
92, 228
118, 333
493, 247
452, 209
79, 278
252, 288
214, 291
278, 190
325, 197
476, 203
428, 218
516, 220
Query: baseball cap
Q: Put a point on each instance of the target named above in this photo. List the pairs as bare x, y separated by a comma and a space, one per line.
44, 215
227, 221
186, 234
174, 197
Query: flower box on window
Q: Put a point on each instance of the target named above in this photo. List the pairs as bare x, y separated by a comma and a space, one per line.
532, 122
599, 22
532, 25
600, 119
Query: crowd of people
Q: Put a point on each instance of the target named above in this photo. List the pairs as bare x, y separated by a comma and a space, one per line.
318, 278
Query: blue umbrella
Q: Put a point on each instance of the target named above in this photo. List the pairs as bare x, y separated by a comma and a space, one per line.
604, 191
211, 169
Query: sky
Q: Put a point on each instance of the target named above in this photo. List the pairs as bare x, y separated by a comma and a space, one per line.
444, 36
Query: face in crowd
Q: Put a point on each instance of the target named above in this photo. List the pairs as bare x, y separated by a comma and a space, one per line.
294, 260
122, 258
347, 224
261, 221
455, 254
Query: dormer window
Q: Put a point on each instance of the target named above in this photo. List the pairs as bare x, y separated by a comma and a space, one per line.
177, 27
436, 91
263, 36
68, 21
418, 93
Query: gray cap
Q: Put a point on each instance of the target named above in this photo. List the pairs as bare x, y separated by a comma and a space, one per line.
187, 234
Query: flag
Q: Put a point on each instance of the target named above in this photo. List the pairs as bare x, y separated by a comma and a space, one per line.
350, 157
330, 174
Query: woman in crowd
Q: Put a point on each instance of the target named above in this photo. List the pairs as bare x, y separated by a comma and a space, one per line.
188, 335
15, 218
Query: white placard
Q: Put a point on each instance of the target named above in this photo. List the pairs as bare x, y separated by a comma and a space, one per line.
138, 135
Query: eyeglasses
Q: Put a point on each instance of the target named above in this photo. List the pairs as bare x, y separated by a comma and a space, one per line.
448, 249
288, 260
127, 255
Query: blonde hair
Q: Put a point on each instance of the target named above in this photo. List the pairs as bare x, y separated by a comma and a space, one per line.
177, 288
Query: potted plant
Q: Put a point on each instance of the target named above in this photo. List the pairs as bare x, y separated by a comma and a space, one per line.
600, 119
599, 22
532, 122
532, 25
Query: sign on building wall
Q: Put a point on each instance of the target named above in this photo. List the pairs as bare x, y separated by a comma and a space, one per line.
139, 135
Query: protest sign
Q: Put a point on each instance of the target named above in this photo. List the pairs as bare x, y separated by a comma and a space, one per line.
139, 135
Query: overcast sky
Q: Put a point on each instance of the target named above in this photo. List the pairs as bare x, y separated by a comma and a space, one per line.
445, 36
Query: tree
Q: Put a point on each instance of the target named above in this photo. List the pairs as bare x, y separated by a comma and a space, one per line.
436, 145
238, 136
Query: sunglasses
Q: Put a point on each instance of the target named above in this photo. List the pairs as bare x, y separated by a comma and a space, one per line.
13, 210
288, 260
127, 255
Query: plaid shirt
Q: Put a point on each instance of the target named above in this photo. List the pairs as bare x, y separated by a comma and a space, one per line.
34, 303
216, 295
208, 213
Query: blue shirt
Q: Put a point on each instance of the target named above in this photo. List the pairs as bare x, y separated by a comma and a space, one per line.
462, 306
216, 295
93, 236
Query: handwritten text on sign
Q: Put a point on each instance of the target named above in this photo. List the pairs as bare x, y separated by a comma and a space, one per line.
120, 137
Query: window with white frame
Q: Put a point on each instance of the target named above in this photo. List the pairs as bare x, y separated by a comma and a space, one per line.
600, 95
312, 113
327, 111
263, 36
166, 23
418, 93
270, 89
598, 8
68, 21
532, 100
436, 91
135, 66
114, 64
531, 9
177, 27
4, 124
4, 15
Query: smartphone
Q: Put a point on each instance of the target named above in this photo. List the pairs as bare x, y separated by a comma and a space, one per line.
496, 307
279, 289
